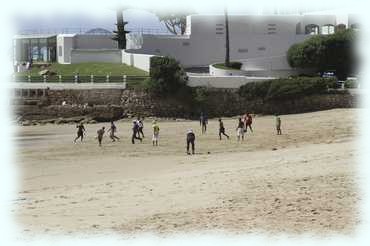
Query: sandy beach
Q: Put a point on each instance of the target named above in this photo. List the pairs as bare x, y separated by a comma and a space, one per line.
303, 181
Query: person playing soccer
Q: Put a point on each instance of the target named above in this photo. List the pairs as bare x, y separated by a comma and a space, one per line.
248, 122
278, 124
100, 133
190, 140
80, 132
140, 127
135, 132
222, 129
240, 130
112, 131
155, 133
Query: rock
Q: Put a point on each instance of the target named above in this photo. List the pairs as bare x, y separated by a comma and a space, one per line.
43, 72
26, 123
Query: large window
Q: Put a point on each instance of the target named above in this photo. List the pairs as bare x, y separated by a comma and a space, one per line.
327, 29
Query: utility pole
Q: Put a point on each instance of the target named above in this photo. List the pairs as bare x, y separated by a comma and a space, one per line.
120, 34
227, 54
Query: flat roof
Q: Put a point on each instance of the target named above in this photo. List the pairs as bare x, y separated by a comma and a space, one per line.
28, 36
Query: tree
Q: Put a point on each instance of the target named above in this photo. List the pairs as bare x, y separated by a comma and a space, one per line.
326, 52
227, 54
175, 22
166, 76
120, 36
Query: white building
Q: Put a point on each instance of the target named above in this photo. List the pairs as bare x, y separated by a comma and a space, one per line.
260, 42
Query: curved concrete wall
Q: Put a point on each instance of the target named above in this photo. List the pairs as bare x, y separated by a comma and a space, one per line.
225, 72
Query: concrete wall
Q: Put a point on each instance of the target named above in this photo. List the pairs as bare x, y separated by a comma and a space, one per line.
85, 41
250, 37
226, 82
97, 55
65, 43
141, 61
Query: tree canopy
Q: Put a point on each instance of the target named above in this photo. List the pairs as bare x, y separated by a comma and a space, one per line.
175, 22
334, 52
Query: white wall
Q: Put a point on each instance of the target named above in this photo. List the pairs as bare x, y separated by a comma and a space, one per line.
141, 61
223, 81
250, 37
65, 44
101, 55
85, 41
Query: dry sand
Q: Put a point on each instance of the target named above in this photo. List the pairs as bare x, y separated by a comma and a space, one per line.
303, 181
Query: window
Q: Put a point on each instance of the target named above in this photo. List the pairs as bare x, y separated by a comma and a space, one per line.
219, 24
219, 29
271, 32
60, 50
185, 43
261, 48
242, 50
312, 29
219, 33
327, 29
157, 50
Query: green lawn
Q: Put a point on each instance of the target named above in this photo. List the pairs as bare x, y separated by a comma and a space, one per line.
86, 69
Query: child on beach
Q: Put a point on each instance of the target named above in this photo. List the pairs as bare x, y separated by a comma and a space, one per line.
80, 132
112, 131
100, 133
278, 124
222, 129
190, 140
155, 133
240, 130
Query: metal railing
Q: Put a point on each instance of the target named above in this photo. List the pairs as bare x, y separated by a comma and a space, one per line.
76, 30
130, 81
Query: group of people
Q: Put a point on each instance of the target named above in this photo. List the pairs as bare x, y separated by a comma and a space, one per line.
243, 124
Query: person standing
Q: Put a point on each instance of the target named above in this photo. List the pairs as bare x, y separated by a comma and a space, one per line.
112, 131
140, 127
155, 133
203, 121
80, 132
248, 122
190, 140
100, 133
278, 124
240, 130
222, 129
135, 132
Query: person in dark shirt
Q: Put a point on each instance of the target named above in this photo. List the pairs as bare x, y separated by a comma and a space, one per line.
112, 131
222, 129
190, 140
100, 133
80, 132
140, 127
203, 122
248, 122
135, 132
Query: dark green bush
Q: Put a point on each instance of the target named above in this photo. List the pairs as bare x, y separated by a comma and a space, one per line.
289, 88
166, 76
350, 84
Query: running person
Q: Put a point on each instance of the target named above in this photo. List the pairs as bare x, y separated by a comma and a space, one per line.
80, 132
135, 132
278, 125
112, 131
222, 129
240, 130
100, 133
190, 140
141, 127
155, 133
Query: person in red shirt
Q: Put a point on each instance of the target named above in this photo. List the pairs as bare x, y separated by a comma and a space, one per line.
248, 122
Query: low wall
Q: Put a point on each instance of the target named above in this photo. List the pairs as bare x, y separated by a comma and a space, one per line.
223, 81
92, 55
141, 61
225, 72
104, 105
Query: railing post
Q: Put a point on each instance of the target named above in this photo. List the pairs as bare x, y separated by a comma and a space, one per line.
124, 80
29, 78
44, 77
76, 78
107, 80
60, 78
92, 78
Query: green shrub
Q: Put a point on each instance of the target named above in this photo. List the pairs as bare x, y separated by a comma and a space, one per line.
233, 65
350, 84
166, 76
290, 88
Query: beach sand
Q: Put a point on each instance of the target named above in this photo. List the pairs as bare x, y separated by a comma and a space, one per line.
303, 181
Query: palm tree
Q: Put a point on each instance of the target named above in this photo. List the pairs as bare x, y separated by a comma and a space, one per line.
227, 55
